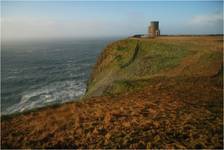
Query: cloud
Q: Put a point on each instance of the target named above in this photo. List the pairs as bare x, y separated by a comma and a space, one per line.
206, 24
209, 19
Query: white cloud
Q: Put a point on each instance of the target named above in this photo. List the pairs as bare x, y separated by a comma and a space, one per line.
209, 19
205, 24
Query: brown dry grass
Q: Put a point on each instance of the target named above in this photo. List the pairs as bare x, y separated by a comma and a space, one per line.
183, 113
167, 112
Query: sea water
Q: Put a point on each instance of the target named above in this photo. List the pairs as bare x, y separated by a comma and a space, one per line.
36, 74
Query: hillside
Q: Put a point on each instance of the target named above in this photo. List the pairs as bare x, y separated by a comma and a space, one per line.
141, 59
143, 93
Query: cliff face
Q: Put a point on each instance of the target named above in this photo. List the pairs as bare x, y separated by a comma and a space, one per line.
152, 93
130, 61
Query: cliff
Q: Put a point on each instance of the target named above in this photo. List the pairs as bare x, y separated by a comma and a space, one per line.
127, 64
143, 93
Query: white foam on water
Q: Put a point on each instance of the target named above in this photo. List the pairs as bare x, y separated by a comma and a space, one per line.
57, 92
11, 77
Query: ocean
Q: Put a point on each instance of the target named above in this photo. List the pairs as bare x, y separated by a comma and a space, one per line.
37, 74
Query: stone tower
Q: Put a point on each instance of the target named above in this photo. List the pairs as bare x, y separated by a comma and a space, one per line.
153, 29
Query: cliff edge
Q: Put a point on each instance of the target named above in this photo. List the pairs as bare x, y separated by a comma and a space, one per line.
125, 63
143, 93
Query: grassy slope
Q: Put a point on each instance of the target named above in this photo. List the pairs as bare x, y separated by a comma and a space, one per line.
168, 96
172, 56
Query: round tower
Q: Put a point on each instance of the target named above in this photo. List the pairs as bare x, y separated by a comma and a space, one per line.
154, 29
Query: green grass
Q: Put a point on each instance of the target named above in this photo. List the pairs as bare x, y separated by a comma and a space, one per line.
123, 51
157, 56
210, 57
122, 48
120, 86
154, 57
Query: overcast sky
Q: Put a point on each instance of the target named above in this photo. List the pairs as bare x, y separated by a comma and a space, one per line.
58, 19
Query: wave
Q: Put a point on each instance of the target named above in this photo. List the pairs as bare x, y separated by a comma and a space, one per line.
57, 92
